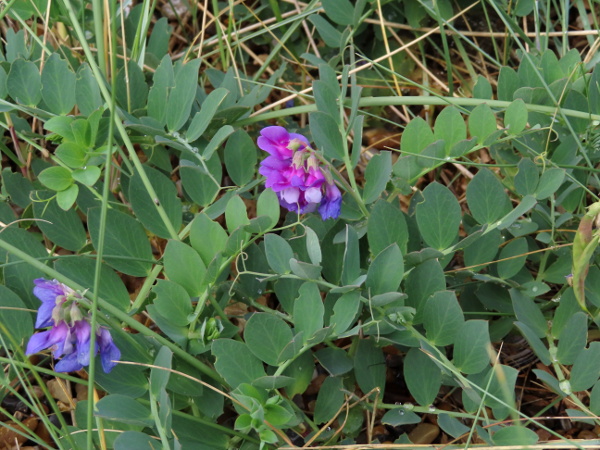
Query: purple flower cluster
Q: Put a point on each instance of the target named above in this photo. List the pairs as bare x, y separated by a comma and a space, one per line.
294, 173
70, 334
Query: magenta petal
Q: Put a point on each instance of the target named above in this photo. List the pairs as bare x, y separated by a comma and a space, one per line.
273, 162
275, 134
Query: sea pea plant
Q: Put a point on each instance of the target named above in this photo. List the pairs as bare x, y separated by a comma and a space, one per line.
218, 279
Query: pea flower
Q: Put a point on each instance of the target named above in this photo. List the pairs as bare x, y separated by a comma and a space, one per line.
302, 183
69, 335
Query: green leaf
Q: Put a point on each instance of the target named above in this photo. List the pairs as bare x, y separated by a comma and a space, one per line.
182, 96
24, 83
377, 176
515, 435
326, 133
400, 416
566, 308
452, 426
158, 44
173, 302
482, 122
3, 89
550, 181
82, 270
536, 344
508, 83
345, 312
335, 360
184, 266
386, 271
486, 197
124, 409
301, 370
471, 347
369, 366
339, 11
157, 97
135, 439
586, 368
57, 83
66, 198
207, 237
573, 338
515, 117
236, 363
273, 382
326, 96
87, 176
528, 312
144, 206
526, 204
450, 127
417, 136
329, 399
17, 186
198, 183
235, 213
330, 35
240, 157
313, 247
267, 336
202, 119
61, 125
64, 228
268, 205
498, 381
132, 90
425, 279
308, 311
217, 140
379, 234
159, 377
351, 262
16, 323
482, 88
126, 248
438, 216
442, 318
526, 179
87, 92
56, 178
72, 154
19, 277
483, 249
514, 253
423, 377
278, 253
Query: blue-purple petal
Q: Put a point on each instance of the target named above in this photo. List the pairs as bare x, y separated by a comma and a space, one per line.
44, 315
69, 363
47, 291
37, 342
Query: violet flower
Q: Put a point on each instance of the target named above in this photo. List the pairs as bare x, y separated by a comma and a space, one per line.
302, 183
70, 334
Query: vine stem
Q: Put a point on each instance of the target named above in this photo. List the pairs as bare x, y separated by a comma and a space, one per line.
420, 100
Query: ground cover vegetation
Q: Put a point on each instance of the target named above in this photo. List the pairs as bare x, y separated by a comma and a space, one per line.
324, 224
